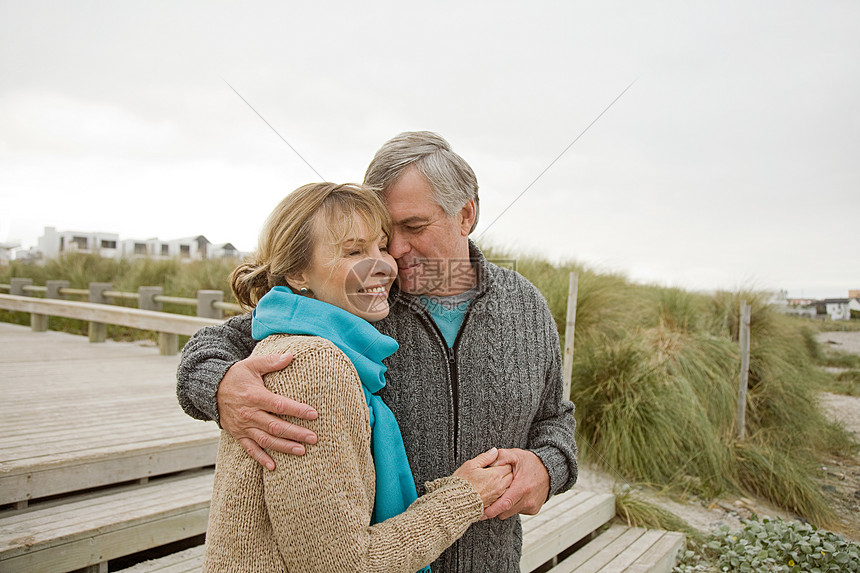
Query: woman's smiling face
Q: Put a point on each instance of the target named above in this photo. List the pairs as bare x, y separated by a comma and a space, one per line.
354, 273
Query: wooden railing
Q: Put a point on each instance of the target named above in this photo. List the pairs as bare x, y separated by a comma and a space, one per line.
99, 313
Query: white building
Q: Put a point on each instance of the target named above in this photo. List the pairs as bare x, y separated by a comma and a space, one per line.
799, 310
129, 248
6, 252
224, 251
837, 308
195, 248
52, 244
779, 299
190, 248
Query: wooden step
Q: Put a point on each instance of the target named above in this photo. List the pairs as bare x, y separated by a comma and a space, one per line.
76, 415
622, 549
562, 521
187, 561
90, 529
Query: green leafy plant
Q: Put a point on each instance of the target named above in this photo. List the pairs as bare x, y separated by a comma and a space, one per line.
771, 545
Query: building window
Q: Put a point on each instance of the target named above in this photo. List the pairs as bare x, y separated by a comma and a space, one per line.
140, 248
185, 250
108, 244
80, 242
165, 250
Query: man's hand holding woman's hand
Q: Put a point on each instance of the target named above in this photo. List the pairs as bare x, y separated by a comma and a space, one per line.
247, 410
529, 489
489, 481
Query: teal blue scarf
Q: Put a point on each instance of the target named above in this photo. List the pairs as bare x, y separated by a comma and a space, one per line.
281, 311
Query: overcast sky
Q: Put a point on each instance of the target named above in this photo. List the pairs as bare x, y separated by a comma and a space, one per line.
732, 161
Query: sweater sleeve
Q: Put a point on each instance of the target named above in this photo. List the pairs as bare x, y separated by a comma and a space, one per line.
206, 357
552, 435
320, 504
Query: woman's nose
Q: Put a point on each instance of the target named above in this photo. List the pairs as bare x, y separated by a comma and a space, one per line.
382, 266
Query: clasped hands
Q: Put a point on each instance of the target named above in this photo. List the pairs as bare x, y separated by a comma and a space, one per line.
249, 412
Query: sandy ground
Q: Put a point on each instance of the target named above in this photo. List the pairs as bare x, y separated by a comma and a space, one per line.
839, 478
842, 341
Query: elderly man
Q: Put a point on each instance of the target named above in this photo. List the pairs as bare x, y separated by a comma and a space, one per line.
478, 365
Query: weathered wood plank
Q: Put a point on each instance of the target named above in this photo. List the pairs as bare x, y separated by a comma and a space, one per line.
110, 545
609, 552
554, 501
107, 314
556, 505
187, 561
573, 505
662, 556
97, 528
551, 538
590, 550
633, 552
37, 481
40, 524
75, 417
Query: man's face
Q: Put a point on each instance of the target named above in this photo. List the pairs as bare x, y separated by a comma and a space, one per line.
431, 247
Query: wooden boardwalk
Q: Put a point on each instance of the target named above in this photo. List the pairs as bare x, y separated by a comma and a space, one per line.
75, 415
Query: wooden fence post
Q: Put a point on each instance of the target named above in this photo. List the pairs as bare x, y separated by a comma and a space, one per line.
98, 330
38, 322
744, 341
573, 289
168, 343
146, 297
53, 288
205, 303
16, 286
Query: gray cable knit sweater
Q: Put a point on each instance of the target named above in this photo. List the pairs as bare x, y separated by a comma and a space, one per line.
499, 386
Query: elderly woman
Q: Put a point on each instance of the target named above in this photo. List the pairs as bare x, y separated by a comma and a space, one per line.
320, 276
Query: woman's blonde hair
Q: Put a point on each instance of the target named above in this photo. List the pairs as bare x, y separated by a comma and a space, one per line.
289, 236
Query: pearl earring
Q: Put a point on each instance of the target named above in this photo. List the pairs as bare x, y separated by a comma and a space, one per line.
304, 291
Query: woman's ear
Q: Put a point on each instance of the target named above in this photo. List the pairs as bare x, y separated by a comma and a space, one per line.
298, 282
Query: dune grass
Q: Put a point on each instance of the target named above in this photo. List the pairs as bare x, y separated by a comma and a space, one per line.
847, 383
634, 510
655, 382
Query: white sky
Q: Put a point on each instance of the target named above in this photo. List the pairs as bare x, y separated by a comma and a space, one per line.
734, 160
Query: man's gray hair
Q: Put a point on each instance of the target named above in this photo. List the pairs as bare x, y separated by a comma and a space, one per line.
452, 180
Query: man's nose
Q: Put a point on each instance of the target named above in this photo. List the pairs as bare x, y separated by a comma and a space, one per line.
397, 244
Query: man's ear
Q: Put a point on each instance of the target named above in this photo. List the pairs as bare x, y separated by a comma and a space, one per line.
467, 217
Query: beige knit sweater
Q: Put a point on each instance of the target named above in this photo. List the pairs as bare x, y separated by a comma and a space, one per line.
313, 512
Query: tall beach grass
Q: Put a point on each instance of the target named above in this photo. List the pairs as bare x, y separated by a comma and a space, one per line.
655, 383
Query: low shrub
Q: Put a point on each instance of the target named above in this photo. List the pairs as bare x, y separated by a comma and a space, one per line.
771, 545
